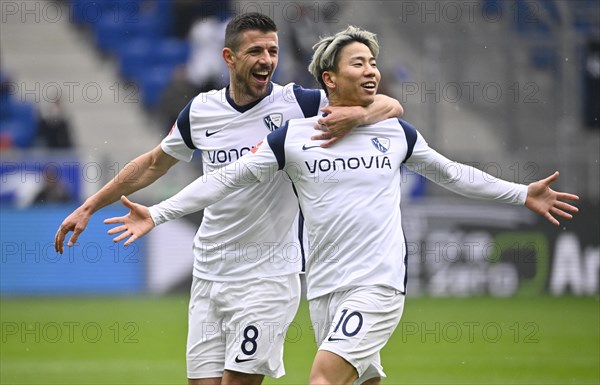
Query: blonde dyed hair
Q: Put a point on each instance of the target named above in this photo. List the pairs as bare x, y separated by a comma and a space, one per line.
326, 51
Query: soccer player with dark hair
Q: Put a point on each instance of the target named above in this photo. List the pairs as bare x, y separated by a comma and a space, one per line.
246, 287
350, 197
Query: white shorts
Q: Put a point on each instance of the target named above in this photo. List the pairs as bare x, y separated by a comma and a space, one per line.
356, 324
240, 326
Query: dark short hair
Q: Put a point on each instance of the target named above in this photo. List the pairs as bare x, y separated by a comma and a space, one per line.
247, 22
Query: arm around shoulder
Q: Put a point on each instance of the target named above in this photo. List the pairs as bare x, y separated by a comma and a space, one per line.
383, 108
339, 120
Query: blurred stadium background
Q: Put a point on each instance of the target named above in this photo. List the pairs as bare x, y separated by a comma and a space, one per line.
496, 294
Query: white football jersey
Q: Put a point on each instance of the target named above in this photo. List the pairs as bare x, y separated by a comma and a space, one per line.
349, 195
253, 232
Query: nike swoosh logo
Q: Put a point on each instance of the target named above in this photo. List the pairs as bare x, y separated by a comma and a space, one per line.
208, 134
240, 360
331, 339
305, 147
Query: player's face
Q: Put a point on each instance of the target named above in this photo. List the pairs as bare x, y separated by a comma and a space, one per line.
253, 64
357, 77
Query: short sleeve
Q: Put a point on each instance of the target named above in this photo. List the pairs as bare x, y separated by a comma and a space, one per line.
178, 143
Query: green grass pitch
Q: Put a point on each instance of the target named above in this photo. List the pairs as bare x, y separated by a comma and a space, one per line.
141, 340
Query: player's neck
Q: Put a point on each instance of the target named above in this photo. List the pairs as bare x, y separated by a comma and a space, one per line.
243, 98
335, 102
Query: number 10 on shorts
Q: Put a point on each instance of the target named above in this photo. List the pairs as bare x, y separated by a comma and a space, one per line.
348, 325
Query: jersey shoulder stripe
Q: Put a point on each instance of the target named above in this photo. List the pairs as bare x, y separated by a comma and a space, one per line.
183, 124
411, 137
309, 100
276, 140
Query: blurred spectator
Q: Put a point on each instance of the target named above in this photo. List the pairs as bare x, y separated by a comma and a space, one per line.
54, 128
206, 69
188, 12
5, 137
18, 118
5, 87
53, 190
176, 96
304, 32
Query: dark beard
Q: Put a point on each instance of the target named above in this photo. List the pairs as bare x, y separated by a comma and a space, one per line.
245, 92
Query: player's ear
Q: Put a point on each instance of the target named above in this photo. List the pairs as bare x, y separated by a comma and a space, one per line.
328, 78
228, 56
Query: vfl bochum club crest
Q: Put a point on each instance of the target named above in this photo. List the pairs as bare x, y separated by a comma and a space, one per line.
382, 144
273, 121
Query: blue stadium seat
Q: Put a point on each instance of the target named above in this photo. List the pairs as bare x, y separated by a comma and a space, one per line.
147, 25
112, 33
135, 55
85, 11
586, 16
543, 57
138, 54
152, 82
20, 123
171, 52
6, 111
109, 34
164, 10
527, 22
90, 12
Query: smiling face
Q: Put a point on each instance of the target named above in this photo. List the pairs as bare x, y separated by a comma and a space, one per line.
251, 65
356, 77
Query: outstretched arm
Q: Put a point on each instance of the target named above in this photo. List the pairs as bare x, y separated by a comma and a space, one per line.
541, 199
474, 183
196, 196
340, 120
252, 168
137, 174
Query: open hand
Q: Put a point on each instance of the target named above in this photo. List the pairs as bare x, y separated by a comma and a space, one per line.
541, 199
136, 224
